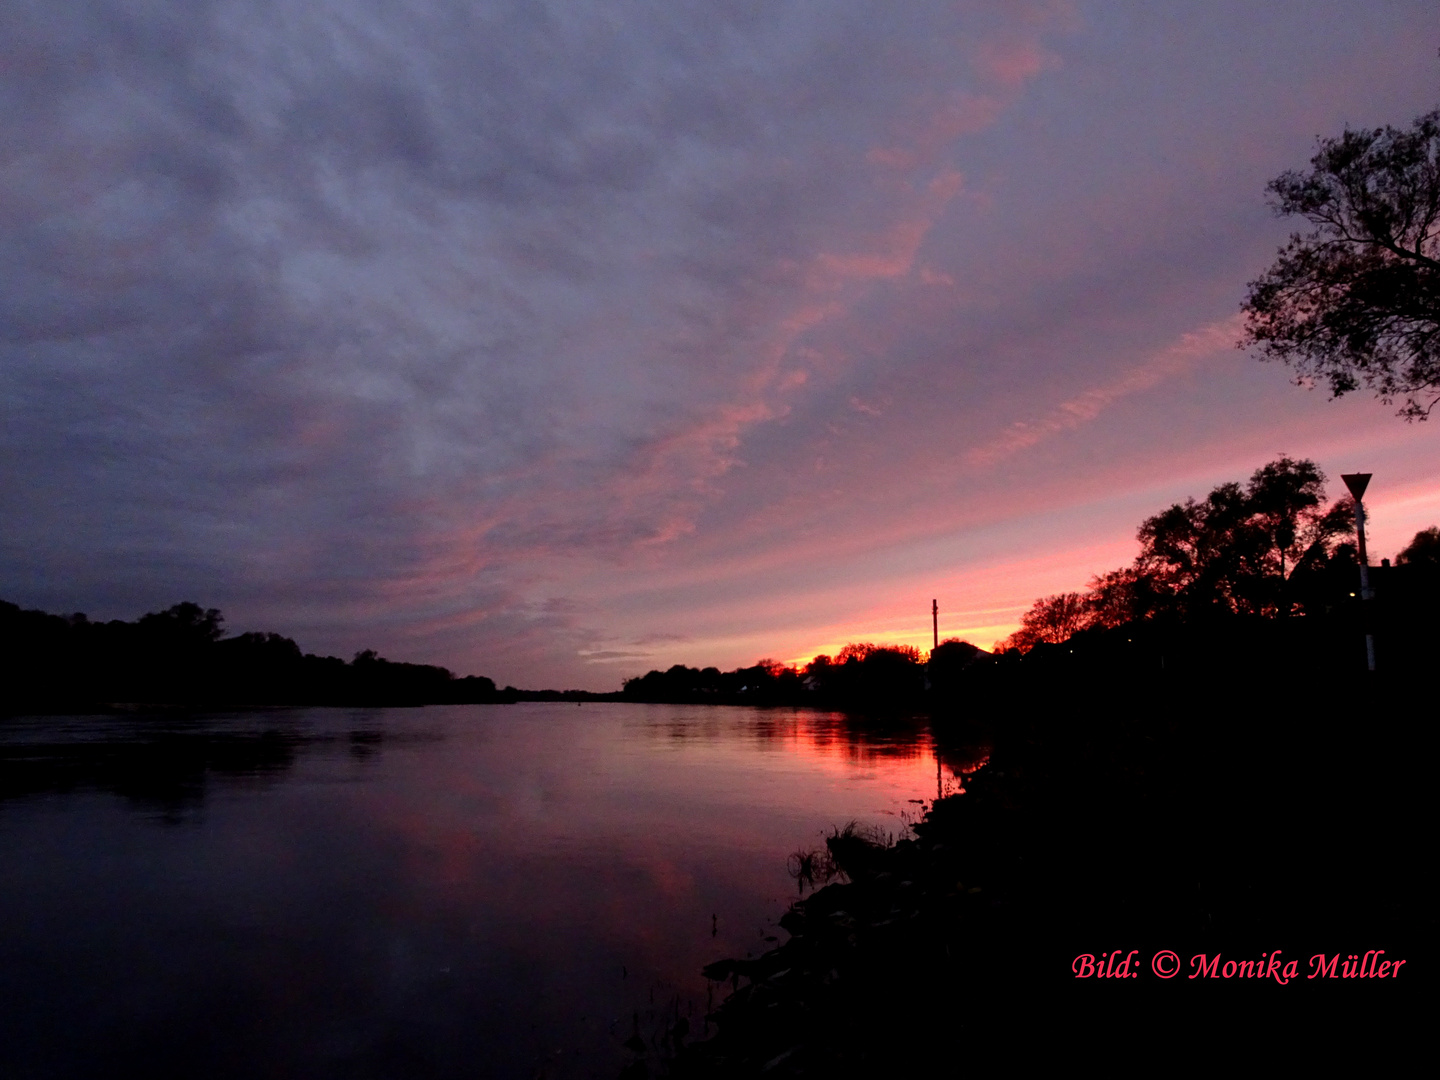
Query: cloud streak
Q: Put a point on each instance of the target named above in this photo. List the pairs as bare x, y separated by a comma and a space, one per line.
1176, 360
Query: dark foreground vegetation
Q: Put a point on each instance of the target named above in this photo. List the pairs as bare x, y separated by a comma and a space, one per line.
1196, 810
181, 657
1191, 756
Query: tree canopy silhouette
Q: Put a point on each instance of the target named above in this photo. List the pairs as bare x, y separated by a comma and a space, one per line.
1424, 550
1232, 553
862, 674
1357, 299
181, 656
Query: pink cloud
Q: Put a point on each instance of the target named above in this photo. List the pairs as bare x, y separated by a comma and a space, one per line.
1014, 62
1191, 349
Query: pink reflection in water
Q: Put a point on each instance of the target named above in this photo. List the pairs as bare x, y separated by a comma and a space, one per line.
525, 886
656, 835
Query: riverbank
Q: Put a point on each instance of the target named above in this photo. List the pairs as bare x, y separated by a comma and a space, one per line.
1203, 824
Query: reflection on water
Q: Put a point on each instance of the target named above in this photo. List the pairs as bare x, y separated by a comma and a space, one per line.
505, 891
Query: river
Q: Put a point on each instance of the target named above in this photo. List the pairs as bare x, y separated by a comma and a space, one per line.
491, 891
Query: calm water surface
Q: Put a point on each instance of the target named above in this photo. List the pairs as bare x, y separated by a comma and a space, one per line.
507, 891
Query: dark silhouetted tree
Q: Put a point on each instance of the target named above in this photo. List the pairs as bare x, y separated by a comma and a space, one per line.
1053, 620
1229, 554
1282, 494
1119, 597
1356, 301
765, 682
1424, 550
181, 656
185, 622
948, 663
867, 674
1202, 555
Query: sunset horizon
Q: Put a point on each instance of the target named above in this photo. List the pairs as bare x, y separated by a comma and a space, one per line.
560, 348
709, 539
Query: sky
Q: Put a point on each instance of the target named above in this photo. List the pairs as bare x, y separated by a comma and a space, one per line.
556, 342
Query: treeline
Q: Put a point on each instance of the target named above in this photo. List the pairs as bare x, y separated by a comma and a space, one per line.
1259, 582
1266, 549
862, 675
182, 656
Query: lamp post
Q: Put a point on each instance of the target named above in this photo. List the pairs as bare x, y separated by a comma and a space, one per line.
1357, 483
935, 621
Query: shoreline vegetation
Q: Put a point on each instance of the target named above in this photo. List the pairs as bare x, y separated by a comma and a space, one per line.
180, 659
1238, 818
1190, 755
1256, 577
